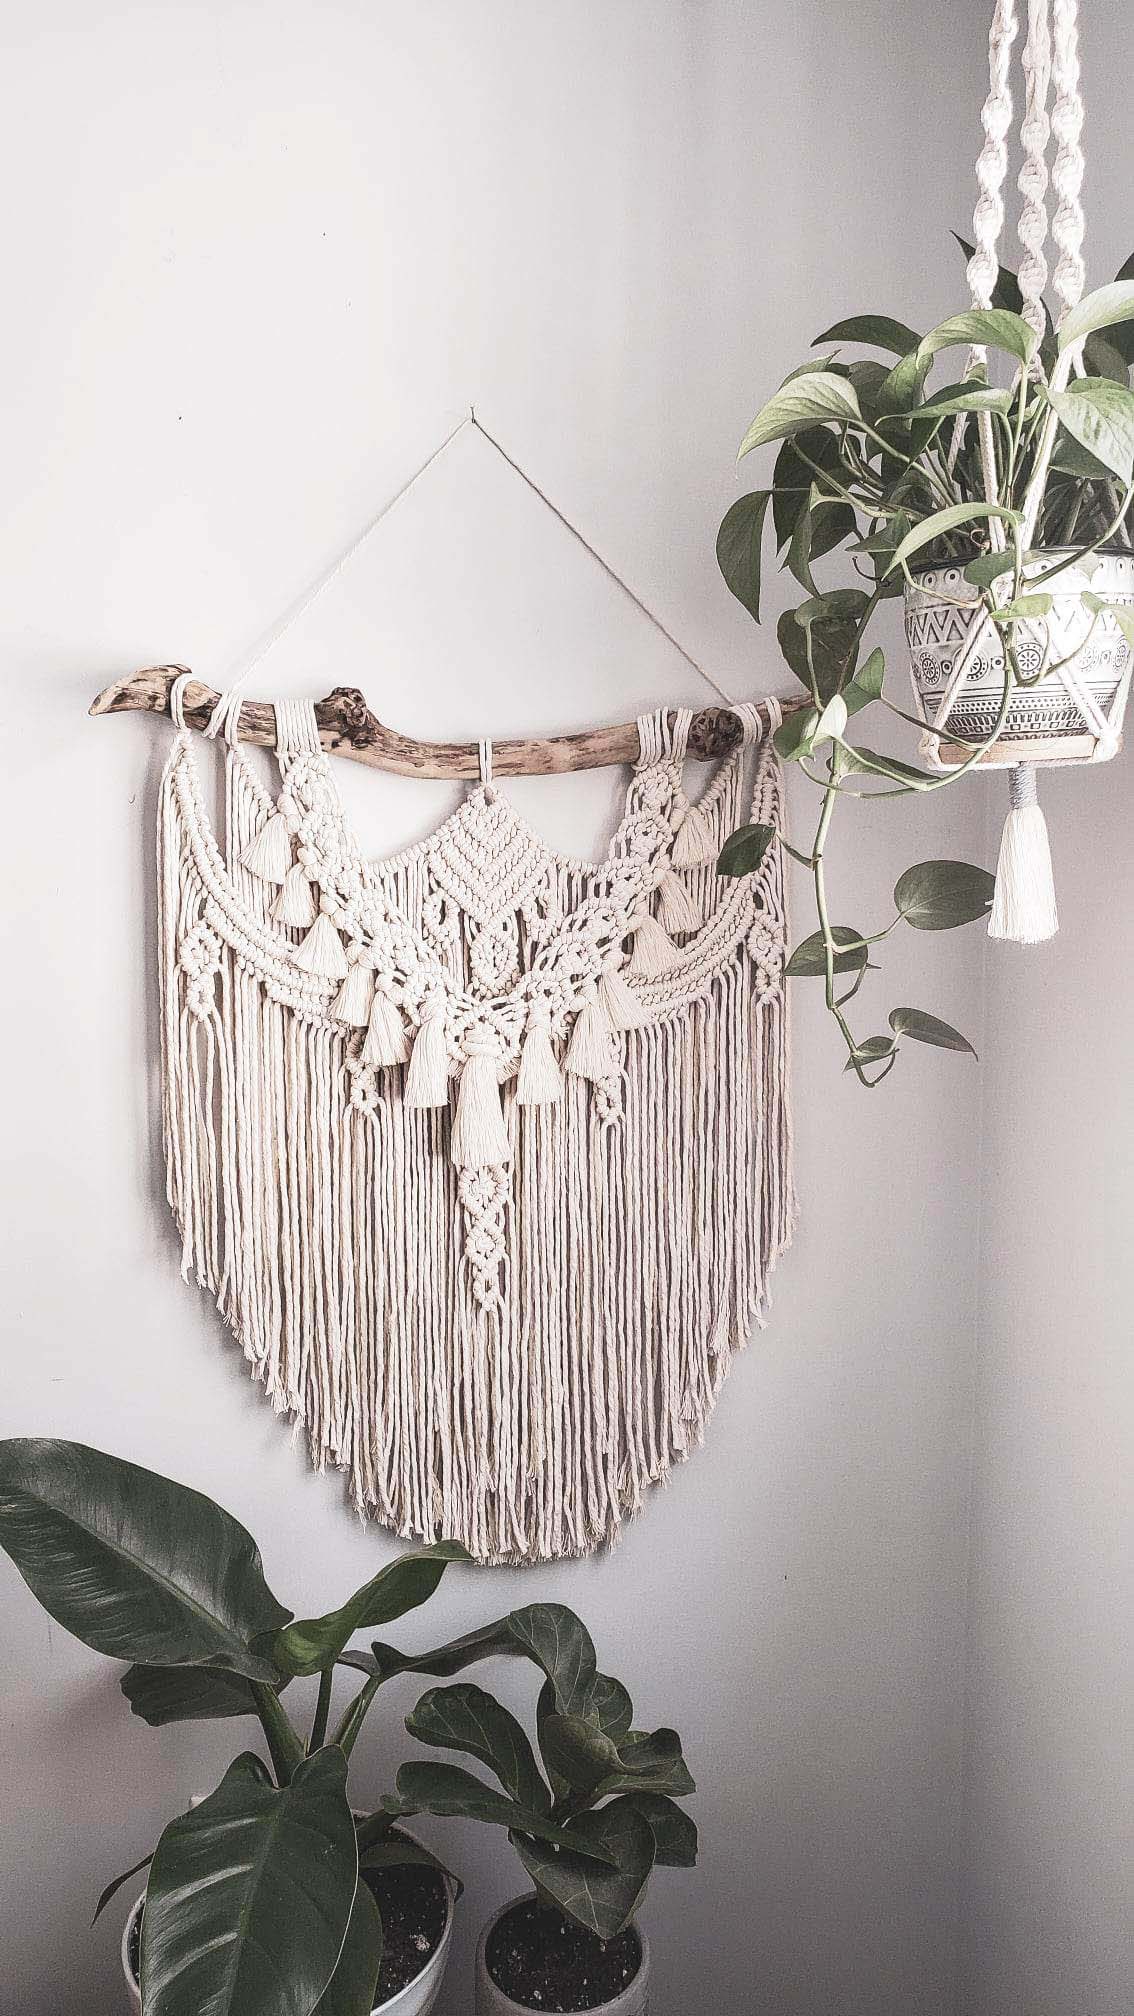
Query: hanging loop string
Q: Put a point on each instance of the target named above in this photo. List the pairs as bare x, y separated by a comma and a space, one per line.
177, 701
1035, 132
484, 760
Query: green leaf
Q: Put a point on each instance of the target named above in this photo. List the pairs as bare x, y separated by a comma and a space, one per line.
879, 330
902, 386
809, 960
250, 1895
1121, 612
923, 1028
1103, 359
939, 895
396, 1850
738, 548
744, 850
113, 1888
988, 328
834, 622
602, 1899
873, 1050
1100, 310
313, 1643
353, 1986
940, 522
465, 1718
161, 1694
832, 721
453, 1793
1100, 415
1024, 607
988, 567
792, 477
134, 1565
793, 736
821, 526
978, 399
1007, 292
675, 1834
810, 401
866, 686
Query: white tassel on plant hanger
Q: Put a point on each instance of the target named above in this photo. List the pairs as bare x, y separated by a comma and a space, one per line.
1023, 904
480, 1138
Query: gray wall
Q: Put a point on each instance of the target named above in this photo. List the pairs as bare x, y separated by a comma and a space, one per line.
259, 263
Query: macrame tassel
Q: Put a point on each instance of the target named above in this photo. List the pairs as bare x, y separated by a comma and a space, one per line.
352, 1002
1023, 904
322, 951
676, 907
695, 845
540, 1082
269, 854
620, 1004
590, 1053
427, 1080
386, 1042
654, 950
295, 903
480, 1138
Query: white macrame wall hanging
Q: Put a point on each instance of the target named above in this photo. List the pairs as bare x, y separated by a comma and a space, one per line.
483, 1152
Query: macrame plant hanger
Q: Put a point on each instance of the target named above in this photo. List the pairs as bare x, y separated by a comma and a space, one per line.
1024, 908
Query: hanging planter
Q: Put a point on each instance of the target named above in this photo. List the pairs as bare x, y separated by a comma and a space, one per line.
998, 501
1076, 663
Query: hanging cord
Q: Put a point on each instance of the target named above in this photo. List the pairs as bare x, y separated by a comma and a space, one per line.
1035, 133
244, 667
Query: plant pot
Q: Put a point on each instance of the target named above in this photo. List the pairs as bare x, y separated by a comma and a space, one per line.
492, 2001
1053, 721
415, 1999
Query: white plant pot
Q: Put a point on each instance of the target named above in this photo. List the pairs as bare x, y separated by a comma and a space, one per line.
492, 2001
945, 623
415, 1999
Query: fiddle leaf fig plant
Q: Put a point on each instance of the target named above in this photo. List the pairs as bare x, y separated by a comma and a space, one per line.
256, 1902
1012, 483
604, 1791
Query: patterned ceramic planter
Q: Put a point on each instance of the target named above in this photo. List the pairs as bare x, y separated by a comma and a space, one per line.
415, 1999
1046, 722
492, 2001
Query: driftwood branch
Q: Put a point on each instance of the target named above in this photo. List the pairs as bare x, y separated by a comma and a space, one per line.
348, 728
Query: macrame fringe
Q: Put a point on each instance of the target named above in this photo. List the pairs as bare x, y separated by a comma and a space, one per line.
479, 1138
619, 1003
540, 1081
654, 951
427, 1080
352, 1002
695, 845
295, 904
1023, 902
322, 952
590, 1053
269, 854
385, 1042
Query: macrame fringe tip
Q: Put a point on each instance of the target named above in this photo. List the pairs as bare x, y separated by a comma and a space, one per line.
386, 1042
295, 904
695, 845
352, 1002
590, 1053
654, 951
676, 907
427, 1080
269, 854
540, 1082
480, 1138
322, 952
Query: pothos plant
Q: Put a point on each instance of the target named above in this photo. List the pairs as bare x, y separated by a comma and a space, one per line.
257, 1900
883, 469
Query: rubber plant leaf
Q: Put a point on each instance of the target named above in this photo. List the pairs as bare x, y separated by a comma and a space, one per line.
312, 1643
352, 1988
251, 1894
455, 1794
463, 1717
602, 1899
132, 1564
161, 1694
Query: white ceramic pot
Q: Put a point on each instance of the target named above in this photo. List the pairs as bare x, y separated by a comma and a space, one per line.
492, 2001
415, 1999
1045, 723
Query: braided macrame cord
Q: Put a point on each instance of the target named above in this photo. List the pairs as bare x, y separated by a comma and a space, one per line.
1051, 173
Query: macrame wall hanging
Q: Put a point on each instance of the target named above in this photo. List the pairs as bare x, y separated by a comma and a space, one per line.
482, 1151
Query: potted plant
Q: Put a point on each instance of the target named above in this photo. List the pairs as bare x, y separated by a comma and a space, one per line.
606, 1789
1002, 513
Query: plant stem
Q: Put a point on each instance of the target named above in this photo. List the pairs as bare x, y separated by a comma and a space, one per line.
322, 1711
350, 1728
284, 1746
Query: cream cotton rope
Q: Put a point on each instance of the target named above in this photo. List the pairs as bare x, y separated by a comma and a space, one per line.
483, 1152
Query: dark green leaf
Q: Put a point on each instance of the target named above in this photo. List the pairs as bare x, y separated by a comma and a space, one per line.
940, 522
675, 1834
804, 402
1072, 459
923, 1028
744, 850
975, 399
113, 1888
872, 1050
464, 1717
990, 328
160, 1694
1103, 359
866, 686
988, 567
134, 1565
879, 330
561, 1645
794, 736
738, 548
353, 1986
809, 960
395, 1850
834, 622
456, 1794
1006, 293
313, 1643
792, 477
250, 1895
1100, 416
939, 895
870, 760
1023, 608
603, 1899
902, 387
